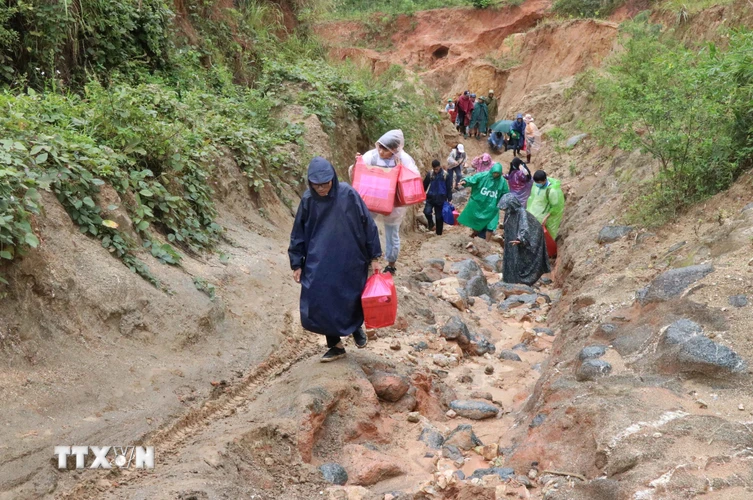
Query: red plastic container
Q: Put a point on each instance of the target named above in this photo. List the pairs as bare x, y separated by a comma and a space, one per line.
376, 185
456, 214
551, 245
410, 187
379, 301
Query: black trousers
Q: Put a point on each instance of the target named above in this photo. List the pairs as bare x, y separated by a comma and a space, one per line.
333, 340
437, 212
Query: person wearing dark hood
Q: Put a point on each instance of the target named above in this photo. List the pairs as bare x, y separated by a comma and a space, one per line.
518, 132
333, 243
464, 107
520, 180
525, 259
438, 187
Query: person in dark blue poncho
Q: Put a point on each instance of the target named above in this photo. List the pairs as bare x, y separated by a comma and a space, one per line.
333, 241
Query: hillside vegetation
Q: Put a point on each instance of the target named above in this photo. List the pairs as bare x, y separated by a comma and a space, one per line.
144, 96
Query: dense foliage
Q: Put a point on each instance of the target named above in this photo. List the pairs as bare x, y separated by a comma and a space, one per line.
359, 8
585, 8
691, 108
146, 110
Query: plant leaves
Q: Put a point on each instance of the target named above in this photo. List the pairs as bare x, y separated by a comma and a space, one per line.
31, 240
110, 223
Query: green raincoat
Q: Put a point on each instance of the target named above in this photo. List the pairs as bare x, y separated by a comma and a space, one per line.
548, 200
480, 117
481, 212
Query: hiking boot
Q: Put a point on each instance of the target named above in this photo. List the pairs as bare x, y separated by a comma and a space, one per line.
333, 354
360, 338
390, 269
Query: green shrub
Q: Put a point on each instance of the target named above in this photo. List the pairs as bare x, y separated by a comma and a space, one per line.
585, 8
689, 108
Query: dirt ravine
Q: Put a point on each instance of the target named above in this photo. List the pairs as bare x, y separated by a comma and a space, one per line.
609, 379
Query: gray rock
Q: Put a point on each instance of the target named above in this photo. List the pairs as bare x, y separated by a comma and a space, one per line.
607, 329
672, 283
477, 286
459, 474
504, 473
520, 347
546, 297
676, 247
545, 280
463, 437
592, 352
609, 234
420, 346
460, 197
747, 207
478, 345
686, 350
455, 328
537, 420
334, 473
738, 301
592, 369
467, 269
509, 355
486, 299
493, 263
643, 237
524, 481
452, 452
431, 437
514, 301
504, 290
574, 140
545, 331
475, 410
437, 264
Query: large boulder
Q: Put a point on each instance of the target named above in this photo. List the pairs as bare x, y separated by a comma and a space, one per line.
609, 234
685, 349
475, 410
477, 286
672, 283
467, 269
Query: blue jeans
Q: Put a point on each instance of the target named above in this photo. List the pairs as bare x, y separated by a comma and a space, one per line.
392, 242
458, 172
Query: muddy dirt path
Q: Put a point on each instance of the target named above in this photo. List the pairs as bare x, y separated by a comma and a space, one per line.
265, 435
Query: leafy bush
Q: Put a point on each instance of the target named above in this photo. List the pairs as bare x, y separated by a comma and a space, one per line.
689, 108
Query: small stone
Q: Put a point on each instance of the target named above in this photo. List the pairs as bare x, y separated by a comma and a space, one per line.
504, 473
475, 410
414, 417
389, 386
592, 352
537, 420
437, 264
452, 452
395, 345
524, 481
489, 451
451, 414
509, 355
738, 301
591, 369
482, 395
463, 437
609, 234
574, 140
702, 404
545, 331
532, 473
269, 461
431, 437
520, 347
334, 473
741, 407
477, 286
421, 346
489, 369
467, 269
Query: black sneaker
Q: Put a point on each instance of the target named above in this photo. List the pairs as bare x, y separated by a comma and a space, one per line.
333, 354
360, 338
390, 269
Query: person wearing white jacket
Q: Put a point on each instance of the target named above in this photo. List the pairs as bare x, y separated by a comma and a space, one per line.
389, 153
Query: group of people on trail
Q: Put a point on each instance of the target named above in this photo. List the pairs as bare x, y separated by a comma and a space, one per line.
335, 240
471, 115
523, 134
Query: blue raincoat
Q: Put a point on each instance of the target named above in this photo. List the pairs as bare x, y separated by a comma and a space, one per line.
333, 240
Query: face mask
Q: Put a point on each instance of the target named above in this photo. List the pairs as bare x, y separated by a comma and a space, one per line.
540, 186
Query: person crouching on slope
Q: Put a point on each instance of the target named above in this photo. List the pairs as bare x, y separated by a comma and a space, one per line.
333, 242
